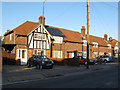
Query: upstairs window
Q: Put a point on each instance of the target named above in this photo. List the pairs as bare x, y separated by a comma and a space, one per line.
109, 46
10, 37
84, 43
58, 39
36, 36
40, 36
95, 44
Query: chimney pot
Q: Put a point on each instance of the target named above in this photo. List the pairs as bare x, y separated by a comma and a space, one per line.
42, 18
110, 38
83, 30
105, 37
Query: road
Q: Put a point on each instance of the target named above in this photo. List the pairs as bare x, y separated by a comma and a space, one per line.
106, 78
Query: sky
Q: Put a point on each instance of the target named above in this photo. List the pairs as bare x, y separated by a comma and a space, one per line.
68, 15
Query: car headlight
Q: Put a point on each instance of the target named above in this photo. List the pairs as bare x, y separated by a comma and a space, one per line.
43, 62
52, 62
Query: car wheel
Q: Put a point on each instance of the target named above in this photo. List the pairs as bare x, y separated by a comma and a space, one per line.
51, 67
38, 66
41, 67
28, 64
105, 61
86, 63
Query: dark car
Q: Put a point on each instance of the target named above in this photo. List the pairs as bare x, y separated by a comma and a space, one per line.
83, 60
40, 61
92, 61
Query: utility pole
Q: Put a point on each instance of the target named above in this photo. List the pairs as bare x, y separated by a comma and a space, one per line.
87, 66
42, 27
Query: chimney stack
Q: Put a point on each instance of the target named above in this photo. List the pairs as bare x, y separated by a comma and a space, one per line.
40, 20
83, 30
110, 38
105, 37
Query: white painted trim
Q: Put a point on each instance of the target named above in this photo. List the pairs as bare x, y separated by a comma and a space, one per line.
84, 41
25, 60
43, 28
95, 43
109, 46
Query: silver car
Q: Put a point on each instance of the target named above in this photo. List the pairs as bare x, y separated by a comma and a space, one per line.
106, 58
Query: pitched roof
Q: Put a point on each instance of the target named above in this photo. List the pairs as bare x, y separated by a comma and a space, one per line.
99, 40
113, 42
70, 35
74, 36
26, 28
54, 31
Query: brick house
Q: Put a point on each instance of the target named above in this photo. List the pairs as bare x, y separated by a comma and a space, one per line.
56, 43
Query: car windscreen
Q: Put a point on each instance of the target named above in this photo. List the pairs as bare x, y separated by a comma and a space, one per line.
43, 58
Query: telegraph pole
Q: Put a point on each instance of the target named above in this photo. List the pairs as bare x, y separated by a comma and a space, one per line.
87, 66
42, 27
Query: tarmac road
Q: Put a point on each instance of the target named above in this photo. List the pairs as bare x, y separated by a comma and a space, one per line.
105, 78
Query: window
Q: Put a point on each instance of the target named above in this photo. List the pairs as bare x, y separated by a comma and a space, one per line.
84, 43
58, 39
109, 46
95, 44
38, 52
40, 36
57, 54
10, 37
36, 36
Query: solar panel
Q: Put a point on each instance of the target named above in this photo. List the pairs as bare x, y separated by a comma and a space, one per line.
55, 32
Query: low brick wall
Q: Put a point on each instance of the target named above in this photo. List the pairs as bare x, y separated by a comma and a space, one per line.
71, 62
9, 59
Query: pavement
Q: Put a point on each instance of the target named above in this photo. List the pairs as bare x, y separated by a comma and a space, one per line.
14, 74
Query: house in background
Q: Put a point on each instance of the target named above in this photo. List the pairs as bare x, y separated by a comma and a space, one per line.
56, 43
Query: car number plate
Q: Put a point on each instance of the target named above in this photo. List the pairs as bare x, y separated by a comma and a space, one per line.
48, 64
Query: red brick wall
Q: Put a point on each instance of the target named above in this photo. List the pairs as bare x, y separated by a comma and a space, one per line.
8, 55
19, 40
7, 39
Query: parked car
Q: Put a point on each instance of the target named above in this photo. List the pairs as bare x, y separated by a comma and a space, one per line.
92, 61
83, 60
105, 58
40, 61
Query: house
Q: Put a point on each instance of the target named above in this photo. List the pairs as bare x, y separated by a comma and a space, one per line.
56, 43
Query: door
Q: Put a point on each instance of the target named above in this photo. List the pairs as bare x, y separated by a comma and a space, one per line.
22, 55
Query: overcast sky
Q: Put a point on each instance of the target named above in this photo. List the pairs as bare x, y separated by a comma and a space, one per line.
68, 15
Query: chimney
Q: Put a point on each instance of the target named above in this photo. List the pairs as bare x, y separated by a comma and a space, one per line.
40, 20
110, 38
105, 37
83, 30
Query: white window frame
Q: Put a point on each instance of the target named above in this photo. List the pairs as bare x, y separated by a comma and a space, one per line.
109, 46
10, 37
84, 42
95, 53
95, 44
19, 55
59, 54
39, 36
39, 50
59, 39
